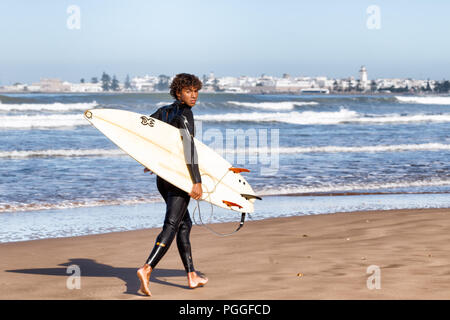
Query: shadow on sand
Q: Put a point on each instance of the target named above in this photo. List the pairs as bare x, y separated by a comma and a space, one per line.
91, 268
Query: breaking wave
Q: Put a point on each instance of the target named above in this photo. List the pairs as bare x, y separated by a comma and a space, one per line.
323, 118
350, 187
55, 107
20, 207
75, 153
424, 100
287, 105
62, 153
42, 121
344, 149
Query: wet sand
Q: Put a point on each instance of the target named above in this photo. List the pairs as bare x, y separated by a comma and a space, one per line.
324, 256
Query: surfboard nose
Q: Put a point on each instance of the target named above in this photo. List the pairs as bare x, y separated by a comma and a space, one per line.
88, 114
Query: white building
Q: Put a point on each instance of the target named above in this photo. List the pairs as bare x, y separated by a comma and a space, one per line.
225, 82
17, 87
286, 83
146, 83
245, 81
266, 81
363, 79
86, 87
305, 82
50, 85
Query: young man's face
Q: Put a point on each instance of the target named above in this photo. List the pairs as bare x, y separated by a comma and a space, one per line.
188, 95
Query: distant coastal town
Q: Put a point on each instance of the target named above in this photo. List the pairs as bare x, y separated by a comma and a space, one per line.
264, 84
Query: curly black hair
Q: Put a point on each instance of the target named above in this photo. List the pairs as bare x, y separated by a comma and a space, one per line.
183, 80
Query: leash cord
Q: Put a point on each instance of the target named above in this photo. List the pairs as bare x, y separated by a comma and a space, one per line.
212, 211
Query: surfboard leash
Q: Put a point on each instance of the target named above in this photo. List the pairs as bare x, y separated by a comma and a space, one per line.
241, 224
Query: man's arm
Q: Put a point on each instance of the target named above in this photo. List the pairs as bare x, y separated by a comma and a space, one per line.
191, 158
190, 152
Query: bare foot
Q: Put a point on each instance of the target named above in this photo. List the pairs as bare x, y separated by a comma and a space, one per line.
143, 274
194, 280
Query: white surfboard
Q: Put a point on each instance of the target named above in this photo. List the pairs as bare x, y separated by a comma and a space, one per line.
158, 146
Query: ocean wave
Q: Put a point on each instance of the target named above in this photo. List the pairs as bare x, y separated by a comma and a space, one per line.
42, 121
322, 118
264, 191
21, 207
424, 100
20, 99
62, 153
343, 116
293, 117
76, 153
286, 105
55, 107
163, 103
344, 149
281, 190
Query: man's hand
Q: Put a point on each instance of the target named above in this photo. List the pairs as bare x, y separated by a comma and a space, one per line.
148, 170
197, 191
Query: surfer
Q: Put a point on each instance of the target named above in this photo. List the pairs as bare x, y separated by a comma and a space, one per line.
184, 89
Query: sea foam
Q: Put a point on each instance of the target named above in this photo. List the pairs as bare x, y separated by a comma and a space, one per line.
42, 121
424, 100
76, 153
349, 187
20, 207
342, 116
286, 105
347, 149
55, 107
61, 153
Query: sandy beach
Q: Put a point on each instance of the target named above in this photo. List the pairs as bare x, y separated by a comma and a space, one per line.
323, 256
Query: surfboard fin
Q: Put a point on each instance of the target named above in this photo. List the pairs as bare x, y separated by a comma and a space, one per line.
239, 170
231, 204
250, 196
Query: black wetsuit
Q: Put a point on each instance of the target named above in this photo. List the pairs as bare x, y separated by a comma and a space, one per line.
177, 221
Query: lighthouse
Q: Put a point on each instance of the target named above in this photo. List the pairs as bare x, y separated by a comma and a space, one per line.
364, 82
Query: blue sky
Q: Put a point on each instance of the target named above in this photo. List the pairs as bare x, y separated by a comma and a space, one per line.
245, 37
